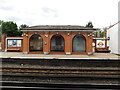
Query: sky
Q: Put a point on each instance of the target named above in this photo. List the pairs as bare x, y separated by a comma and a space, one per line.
101, 13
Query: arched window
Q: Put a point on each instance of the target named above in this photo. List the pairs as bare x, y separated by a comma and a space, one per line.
79, 43
57, 43
36, 43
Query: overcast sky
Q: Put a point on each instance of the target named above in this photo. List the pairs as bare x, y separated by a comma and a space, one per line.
60, 12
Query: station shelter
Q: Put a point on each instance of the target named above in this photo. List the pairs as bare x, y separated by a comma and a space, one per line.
52, 39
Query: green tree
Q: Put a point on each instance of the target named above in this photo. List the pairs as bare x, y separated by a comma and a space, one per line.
89, 24
10, 29
0, 28
102, 34
96, 33
23, 26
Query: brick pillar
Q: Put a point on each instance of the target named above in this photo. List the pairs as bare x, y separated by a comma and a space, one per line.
3, 42
25, 44
89, 45
68, 45
46, 45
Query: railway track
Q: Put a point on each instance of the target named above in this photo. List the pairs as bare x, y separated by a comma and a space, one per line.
61, 74
57, 86
103, 72
63, 62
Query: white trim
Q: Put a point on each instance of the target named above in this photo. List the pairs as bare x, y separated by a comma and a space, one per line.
101, 38
14, 38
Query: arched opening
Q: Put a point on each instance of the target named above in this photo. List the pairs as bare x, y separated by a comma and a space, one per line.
79, 43
57, 43
36, 43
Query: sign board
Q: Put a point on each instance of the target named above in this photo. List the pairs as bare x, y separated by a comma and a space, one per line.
100, 43
14, 43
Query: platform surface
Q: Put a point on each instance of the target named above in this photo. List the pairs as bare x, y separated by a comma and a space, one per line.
94, 56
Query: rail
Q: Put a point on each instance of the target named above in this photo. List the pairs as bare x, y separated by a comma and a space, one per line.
60, 86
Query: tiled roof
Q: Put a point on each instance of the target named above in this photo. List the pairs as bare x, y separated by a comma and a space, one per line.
56, 28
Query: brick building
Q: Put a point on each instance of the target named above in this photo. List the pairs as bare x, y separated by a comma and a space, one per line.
57, 39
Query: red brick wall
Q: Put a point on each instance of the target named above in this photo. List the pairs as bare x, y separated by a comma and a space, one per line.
3, 42
67, 38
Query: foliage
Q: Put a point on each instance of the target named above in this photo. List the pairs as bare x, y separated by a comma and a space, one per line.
0, 28
89, 24
99, 33
102, 34
10, 29
23, 26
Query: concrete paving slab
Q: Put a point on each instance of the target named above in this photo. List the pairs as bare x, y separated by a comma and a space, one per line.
94, 56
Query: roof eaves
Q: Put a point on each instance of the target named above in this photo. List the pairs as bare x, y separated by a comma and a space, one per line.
57, 30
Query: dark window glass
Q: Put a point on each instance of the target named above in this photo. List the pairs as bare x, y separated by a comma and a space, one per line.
57, 43
79, 43
36, 43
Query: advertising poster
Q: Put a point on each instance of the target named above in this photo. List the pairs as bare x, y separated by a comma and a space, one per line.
18, 43
14, 43
9, 43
